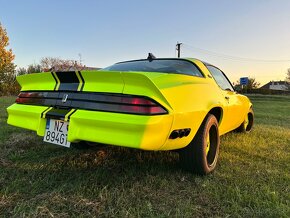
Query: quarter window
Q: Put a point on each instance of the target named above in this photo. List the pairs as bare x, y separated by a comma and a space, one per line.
220, 78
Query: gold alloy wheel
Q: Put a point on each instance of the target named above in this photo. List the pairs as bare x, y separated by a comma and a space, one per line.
246, 122
207, 144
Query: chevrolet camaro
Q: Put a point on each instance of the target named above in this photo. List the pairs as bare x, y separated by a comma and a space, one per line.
152, 104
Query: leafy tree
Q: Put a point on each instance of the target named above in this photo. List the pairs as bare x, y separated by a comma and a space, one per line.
7, 67
21, 71
34, 68
252, 84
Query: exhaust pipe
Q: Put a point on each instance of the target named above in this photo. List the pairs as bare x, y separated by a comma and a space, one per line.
174, 134
187, 131
179, 133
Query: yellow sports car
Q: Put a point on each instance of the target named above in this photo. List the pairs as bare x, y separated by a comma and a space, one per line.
151, 104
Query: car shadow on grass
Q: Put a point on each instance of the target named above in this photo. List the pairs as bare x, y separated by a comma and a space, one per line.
31, 156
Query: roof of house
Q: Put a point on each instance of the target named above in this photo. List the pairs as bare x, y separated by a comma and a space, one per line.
267, 85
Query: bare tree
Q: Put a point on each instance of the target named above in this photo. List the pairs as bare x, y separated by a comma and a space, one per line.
58, 64
288, 75
287, 79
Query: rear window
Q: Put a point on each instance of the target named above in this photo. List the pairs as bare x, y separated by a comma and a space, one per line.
158, 65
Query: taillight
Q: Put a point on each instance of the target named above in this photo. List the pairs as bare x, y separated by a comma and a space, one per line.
139, 105
28, 98
107, 102
137, 101
22, 97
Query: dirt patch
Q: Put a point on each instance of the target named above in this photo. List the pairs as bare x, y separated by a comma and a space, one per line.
4, 162
18, 143
21, 140
6, 204
51, 205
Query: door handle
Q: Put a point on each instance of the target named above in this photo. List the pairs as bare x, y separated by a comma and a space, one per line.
227, 97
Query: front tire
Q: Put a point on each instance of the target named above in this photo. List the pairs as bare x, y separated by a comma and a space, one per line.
201, 155
247, 124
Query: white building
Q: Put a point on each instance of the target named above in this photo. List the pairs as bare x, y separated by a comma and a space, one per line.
276, 85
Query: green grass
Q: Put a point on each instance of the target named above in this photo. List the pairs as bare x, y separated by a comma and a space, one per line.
252, 178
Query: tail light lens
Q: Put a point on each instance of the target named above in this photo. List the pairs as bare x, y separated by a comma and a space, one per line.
118, 103
28, 98
139, 105
137, 101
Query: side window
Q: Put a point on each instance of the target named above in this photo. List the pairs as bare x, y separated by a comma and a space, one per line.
184, 67
220, 78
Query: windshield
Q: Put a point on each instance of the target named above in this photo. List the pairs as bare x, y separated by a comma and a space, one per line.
158, 65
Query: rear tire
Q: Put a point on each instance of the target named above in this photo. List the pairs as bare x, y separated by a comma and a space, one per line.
201, 155
247, 124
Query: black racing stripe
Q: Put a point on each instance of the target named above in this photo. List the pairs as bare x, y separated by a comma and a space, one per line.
71, 114
68, 81
83, 81
57, 113
44, 112
55, 81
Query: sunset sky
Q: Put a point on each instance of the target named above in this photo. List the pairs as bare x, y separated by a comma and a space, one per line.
243, 38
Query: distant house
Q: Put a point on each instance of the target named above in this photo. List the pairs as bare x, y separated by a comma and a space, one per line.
276, 85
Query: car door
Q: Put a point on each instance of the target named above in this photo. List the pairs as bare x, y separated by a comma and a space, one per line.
233, 110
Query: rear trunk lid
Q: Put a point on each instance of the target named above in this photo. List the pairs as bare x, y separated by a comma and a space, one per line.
74, 89
91, 81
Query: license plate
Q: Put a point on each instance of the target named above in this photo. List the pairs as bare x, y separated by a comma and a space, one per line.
56, 132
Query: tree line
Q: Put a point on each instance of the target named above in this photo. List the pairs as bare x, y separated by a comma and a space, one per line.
48, 64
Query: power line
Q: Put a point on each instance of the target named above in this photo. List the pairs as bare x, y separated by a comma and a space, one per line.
229, 57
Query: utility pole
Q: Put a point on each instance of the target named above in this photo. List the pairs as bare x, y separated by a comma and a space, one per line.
178, 49
80, 56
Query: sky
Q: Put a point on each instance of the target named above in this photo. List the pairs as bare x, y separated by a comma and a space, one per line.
241, 37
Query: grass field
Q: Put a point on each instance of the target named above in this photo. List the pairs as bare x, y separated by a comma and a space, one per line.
252, 178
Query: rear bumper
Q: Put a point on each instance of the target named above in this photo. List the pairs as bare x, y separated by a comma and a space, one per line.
135, 131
